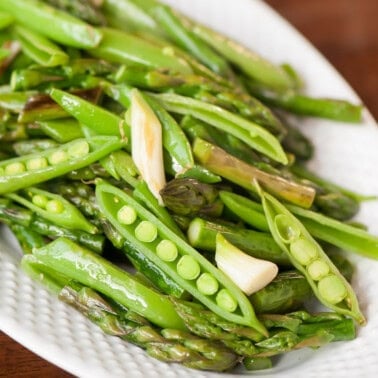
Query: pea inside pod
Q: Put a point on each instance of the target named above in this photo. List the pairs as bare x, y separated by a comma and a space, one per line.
327, 283
22, 172
175, 257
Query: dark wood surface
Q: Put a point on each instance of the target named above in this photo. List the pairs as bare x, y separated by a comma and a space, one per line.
345, 31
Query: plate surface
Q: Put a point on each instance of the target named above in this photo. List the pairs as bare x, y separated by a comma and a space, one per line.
346, 153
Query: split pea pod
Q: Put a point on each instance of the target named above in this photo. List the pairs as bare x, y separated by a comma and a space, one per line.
324, 228
250, 133
52, 23
82, 265
180, 261
54, 208
21, 172
39, 48
327, 283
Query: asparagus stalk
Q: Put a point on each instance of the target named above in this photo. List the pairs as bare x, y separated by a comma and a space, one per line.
166, 345
220, 162
202, 234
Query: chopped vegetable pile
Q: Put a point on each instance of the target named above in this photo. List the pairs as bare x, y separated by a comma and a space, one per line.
129, 131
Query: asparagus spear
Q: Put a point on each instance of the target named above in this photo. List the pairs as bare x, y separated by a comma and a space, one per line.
184, 348
235, 170
202, 234
191, 197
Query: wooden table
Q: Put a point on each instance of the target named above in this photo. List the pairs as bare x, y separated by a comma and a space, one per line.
345, 31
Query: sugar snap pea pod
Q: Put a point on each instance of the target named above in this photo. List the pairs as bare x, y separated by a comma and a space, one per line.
39, 48
248, 61
13, 214
91, 270
98, 120
52, 23
5, 20
220, 162
180, 261
174, 139
327, 283
184, 38
202, 234
40, 107
50, 279
62, 130
120, 165
241, 207
21, 172
120, 47
342, 235
54, 208
250, 133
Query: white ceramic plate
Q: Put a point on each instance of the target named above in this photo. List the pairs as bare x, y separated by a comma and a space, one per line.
346, 153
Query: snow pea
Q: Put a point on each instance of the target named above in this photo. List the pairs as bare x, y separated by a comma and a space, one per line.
21, 172
183, 263
82, 265
327, 283
52, 23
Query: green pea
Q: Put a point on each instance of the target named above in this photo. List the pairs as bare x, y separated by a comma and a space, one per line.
126, 215
226, 301
36, 163
58, 157
54, 206
167, 250
40, 200
318, 269
188, 268
207, 284
332, 289
81, 148
304, 251
287, 230
146, 232
14, 168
